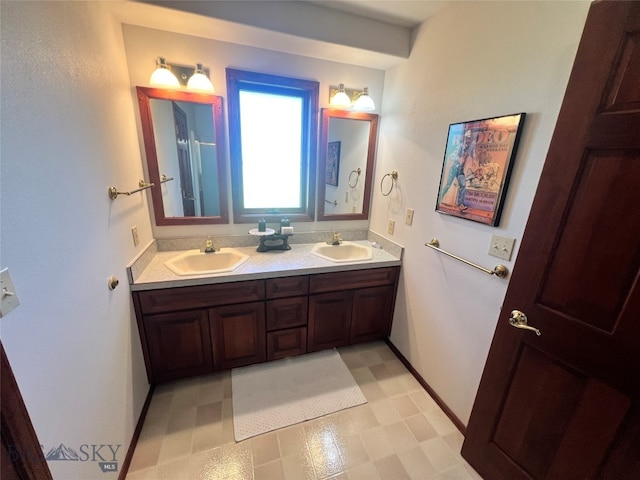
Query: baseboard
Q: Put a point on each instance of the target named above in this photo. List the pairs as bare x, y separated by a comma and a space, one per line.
456, 421
124, 469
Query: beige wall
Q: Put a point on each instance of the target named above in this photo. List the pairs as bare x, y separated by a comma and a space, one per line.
68, 132
472, 60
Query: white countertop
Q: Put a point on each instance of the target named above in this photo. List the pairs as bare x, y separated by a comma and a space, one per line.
297, 261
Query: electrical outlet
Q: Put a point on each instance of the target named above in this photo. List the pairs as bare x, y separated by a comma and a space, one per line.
8, 296
346, 197
408, 218
391, 227
501, 247
134, 233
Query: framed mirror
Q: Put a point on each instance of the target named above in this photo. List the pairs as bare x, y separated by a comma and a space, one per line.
345, 164
183, 138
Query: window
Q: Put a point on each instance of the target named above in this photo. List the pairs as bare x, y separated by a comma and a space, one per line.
272, 140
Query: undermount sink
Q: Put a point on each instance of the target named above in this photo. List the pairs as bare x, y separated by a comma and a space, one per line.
195, 262
345, 252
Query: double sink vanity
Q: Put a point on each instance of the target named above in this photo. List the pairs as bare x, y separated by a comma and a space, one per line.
202, 312
237, 303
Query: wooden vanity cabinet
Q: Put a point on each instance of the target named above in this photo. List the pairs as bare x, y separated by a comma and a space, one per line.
351, 307
188, 331
287, 316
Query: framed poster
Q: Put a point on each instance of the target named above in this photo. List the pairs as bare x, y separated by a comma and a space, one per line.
333, 163
477, 164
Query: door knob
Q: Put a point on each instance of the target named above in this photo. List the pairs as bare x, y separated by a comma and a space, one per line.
519, 320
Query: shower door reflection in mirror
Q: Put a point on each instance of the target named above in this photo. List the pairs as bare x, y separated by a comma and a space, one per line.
182, 137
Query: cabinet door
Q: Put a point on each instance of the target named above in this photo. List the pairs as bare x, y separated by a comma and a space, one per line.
371, 317
285, 343
179, 344
286, 313
238, 335
329, 320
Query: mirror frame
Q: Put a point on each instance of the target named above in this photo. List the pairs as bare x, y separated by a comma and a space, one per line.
145, 95
372, 118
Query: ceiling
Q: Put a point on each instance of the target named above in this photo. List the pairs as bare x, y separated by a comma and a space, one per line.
405, 13
370, 33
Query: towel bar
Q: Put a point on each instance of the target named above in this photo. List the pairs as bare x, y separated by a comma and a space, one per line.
113, 191
499, 271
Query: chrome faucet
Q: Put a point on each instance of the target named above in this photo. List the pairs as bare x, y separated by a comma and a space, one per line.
336, 239
208, 246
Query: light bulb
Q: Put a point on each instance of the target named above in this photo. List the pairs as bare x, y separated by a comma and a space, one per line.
340, 99
364, 103
199, 80
162, 76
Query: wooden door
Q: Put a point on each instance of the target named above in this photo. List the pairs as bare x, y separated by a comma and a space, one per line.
184, 161
566, 404
21, 456
238, 335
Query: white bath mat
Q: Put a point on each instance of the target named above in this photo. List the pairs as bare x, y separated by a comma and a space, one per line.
276, 394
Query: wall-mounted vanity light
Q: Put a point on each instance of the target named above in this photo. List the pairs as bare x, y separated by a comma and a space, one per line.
200, 81
338, 97
162, 76
364, 103
347, 98
175, 76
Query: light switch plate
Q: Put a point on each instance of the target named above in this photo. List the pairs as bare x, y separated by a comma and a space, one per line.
134, 234
501, 247
408, 218
8, 296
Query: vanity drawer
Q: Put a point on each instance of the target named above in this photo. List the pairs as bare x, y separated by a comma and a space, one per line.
285, 343
331, 282
287, 286
186, 298
286, 313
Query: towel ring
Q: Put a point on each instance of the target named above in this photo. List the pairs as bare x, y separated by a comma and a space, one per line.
357, 172
394, 177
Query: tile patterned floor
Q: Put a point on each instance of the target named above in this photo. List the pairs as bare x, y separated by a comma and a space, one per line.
399, 434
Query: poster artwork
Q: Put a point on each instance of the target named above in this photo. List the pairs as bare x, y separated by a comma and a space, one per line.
476, 168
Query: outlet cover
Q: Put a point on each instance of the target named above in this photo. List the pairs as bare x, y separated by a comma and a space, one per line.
501, 247
8, 296
391, 227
